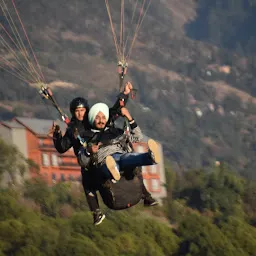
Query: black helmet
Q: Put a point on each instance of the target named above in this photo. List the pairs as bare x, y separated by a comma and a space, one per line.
78, 102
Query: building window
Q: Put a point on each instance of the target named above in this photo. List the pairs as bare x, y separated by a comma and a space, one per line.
54, 160
41, 142
53, 178
155, 184
62, 177
71, 178
46, 161
153, 169
60, 160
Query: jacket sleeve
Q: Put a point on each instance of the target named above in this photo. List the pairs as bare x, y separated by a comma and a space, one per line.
136, 133
62, 143
121, 101
83, 158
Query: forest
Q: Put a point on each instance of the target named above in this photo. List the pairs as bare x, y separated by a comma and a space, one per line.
205, 213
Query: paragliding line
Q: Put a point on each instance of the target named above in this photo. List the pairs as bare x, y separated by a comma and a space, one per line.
24, 30
22, 47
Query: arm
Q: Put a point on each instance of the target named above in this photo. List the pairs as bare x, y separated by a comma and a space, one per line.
121, 101
135, 134
62, 144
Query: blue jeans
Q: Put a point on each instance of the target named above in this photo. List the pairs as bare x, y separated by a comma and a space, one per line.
128, 160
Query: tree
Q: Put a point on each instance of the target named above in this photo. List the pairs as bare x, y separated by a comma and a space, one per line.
38, 190
249, 199
12, 162
240, 234
202, 238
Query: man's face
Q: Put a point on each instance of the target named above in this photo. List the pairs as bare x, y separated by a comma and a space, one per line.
79, 113
100, 121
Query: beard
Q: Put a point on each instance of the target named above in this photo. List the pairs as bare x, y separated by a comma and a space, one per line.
100, 125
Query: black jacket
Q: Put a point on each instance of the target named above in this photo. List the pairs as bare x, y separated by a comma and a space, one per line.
64, 143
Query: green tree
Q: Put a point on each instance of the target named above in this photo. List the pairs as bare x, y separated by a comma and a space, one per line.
163, 236
38, 190
224, 192
240, 234
9, 209
202, 238
249, 199
81, 245
28, 250
12, 162
12, 234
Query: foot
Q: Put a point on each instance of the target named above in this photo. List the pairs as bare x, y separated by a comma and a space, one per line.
150, 201
112, 167
154, 151
98, 217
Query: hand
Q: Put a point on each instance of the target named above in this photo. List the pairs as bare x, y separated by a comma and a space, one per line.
54, 129
125, 113
128, 87
94, 148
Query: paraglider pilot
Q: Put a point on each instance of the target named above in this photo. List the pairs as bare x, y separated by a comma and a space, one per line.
79, 108
110, 149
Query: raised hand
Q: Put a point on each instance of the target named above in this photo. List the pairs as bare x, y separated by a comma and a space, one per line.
128, 87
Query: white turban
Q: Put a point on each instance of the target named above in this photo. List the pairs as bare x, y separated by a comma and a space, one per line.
95, 109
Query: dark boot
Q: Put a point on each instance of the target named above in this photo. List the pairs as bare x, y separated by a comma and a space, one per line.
146, 196
150, 201
98, 217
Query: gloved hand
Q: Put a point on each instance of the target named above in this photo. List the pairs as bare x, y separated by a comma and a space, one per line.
54, 130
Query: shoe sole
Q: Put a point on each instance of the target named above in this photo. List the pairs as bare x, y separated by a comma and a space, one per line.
111, 164
155, 203
98, 223
149, 205
154, 148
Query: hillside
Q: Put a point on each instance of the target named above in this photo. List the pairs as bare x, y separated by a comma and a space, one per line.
204, 213
192, 94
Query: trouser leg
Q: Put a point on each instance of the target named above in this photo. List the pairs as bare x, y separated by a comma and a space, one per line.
128, 160
132, 160
104, 169
91, 195
145, 192
92, 201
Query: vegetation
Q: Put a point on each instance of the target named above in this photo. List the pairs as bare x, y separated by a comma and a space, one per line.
209, 213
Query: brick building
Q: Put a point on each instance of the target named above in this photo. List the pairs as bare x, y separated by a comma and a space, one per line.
30, 136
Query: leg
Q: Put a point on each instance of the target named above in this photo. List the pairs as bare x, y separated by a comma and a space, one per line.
91, 197
127, 160
132, 160
146, 196
110, 169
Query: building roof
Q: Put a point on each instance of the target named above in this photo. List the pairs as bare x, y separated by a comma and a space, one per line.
39, 126
12, 124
